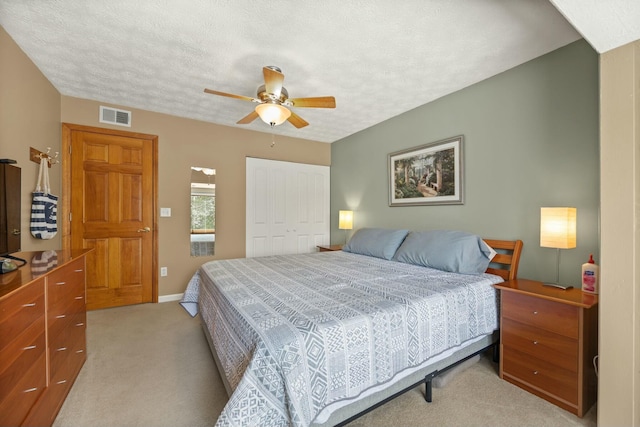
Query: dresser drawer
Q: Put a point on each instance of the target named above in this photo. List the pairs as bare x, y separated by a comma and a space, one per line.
59, 350
16, 403
543, 375
61, 315
78, 342
20, 354
63, 287
19, 310
552, 316
548, 346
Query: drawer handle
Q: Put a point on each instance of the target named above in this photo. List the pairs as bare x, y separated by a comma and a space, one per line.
80, 297
62, 349
61, 382
31, 304
61, 316
535, 372
29, 390
80, 270
535, 343
29, 347
80, 324
535, 312
79, 351
60, 283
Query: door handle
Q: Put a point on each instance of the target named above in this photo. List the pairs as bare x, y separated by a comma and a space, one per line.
15, 232
144, 230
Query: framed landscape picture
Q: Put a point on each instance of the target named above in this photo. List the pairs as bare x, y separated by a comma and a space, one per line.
430, 174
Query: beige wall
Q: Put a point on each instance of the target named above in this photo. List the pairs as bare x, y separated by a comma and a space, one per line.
619, 381
183, 143
29, 117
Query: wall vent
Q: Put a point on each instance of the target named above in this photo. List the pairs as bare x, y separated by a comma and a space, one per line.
115, 116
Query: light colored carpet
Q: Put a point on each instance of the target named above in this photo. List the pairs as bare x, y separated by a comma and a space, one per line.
149, 365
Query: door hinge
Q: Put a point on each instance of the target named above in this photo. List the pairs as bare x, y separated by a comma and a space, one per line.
70, 216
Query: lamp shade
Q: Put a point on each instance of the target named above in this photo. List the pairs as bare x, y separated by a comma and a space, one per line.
558, 228
273, 114
345, 220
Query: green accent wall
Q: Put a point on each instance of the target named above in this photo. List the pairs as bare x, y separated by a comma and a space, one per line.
530, 140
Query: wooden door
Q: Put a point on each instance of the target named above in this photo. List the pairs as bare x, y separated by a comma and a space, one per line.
111, 203
287, 207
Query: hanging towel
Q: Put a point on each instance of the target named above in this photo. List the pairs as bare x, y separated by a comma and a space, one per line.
44, 206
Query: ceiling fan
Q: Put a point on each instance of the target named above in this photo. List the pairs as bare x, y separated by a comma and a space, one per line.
273, 99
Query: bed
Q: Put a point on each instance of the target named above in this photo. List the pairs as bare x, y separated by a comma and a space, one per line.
319, 339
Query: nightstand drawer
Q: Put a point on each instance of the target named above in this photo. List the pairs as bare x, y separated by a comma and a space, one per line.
552, 348
542, 375
553, 316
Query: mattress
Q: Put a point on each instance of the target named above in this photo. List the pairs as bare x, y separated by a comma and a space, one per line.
297, 334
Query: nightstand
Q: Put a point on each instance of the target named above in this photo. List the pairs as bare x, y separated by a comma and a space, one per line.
548, 339
329, 248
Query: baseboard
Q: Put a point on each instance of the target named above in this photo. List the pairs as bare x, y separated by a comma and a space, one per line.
169, 298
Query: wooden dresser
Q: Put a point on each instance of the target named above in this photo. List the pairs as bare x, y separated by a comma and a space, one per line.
329, 248
548, 339
42, 335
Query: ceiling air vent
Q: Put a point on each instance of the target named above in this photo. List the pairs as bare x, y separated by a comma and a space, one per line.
115, 117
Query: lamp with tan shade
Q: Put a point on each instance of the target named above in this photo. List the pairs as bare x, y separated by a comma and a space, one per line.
345, 222
558, 230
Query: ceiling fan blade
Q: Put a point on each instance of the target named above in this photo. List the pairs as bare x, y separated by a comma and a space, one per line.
248, 118
297, 121
318, 102
230, 95
273, 80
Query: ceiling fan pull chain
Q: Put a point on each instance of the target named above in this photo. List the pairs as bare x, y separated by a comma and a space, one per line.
273, 135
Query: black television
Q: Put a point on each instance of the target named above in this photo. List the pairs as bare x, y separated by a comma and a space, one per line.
10, 218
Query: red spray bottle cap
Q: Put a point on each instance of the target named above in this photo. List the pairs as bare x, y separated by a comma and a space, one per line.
591, 261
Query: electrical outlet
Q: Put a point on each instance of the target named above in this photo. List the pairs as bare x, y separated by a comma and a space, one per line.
163, 271
165, 212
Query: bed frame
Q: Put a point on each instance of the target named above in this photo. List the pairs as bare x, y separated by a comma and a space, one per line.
504, 264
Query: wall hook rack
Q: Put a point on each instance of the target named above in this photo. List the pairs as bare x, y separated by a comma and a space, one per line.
36, 156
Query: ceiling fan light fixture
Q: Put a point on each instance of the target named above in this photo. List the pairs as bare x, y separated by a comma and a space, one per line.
273, 114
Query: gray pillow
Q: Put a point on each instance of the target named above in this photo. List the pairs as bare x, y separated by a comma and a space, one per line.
376, 242
455, 251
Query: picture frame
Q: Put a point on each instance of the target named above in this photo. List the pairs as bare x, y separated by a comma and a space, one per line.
431, 174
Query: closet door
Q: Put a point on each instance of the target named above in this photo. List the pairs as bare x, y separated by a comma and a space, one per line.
287, 207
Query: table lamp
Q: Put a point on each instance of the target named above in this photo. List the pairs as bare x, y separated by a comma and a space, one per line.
345, 222
558, 230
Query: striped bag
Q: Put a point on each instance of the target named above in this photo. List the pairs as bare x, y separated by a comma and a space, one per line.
44, 207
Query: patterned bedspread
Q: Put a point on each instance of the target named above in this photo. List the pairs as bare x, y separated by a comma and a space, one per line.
295, 333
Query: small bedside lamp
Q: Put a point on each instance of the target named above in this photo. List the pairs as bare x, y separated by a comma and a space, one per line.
345, 222
558, 230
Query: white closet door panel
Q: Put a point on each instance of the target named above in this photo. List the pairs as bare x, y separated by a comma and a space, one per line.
278, 245
259, 246
259, 242
300, 188
303, 242
319, 239
293, 201
278, 194
320, 195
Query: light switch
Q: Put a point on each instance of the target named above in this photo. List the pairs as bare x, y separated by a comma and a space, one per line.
165, 211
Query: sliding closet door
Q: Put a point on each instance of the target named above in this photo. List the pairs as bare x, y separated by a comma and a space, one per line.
287, 207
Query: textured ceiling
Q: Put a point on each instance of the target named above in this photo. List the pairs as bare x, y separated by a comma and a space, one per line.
605, 24
378, 58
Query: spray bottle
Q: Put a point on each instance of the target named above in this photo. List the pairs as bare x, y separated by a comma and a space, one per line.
590, 276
